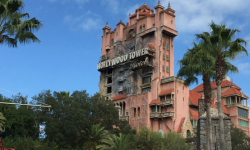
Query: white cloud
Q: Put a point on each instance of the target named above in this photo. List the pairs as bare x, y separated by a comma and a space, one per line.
85, 22
244, 68
195, 15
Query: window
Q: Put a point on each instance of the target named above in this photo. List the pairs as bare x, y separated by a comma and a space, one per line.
139, 111
146, 70
167, 57
128, 90
140, 28
146, 80
126, 113
110, 71
112, 42
243, 123
129, 79
232, 100
163, 56
163, 68
228, 101
171, 21
148, 89
194, 123
164, 45
242, 112
167, 69
188, 134
134, 112
109, 80
143, 28
131, 33
109, 90
167, 46
155, 108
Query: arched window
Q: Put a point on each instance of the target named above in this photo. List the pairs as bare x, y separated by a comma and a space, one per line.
131, 33
112, 42
188, 134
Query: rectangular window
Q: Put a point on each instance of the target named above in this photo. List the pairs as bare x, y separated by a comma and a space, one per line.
109, 90
228, 101
139, 111
146, 70
128, 90
146, 90
163, 68
163, 56
167, 46
110, 71
109, 80
129, 79
242, 112
155, 108
232, 100
146, 80
243, 123
158, 108
126, 113
112, 42
163, 45
167, 69
167, 57
140, 28
134, 112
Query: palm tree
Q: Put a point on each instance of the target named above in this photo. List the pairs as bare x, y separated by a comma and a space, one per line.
198, 62
123, 142
16, 26
95, 135
2, 121
223, 47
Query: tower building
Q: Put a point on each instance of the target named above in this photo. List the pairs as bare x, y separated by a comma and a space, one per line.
137, 73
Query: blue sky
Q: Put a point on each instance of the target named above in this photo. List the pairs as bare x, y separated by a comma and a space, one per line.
70, 47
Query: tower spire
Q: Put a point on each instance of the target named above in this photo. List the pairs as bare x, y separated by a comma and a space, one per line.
107, 23
169, 4
159, 2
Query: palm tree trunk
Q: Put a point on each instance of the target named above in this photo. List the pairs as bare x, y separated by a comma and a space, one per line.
221, 123
208, 94
219, 78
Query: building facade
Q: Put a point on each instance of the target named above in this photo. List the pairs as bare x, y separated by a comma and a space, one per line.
137, 74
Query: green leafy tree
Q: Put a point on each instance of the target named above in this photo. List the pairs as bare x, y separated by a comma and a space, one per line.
16, 26
239, 139
2, 121
174, 141
223, 47
121, 142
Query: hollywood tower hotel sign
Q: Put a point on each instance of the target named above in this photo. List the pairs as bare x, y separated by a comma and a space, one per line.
137, 73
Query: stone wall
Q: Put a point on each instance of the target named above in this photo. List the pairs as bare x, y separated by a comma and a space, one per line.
202, 131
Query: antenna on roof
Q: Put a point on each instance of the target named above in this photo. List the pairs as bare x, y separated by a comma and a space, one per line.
169, 4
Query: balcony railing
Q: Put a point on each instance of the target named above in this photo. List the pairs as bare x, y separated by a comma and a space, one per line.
124, 118
167, 114
167, 102
161, 115
238, 105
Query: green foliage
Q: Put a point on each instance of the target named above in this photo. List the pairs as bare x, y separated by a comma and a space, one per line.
16, 26
121, 142
2, 121
175, 141
239, 139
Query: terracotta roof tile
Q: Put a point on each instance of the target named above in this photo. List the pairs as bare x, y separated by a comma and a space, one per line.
165, 92
233, 91
118, 97
181, 123
132, 15
213, 85
129, 75
155, 102
151, 46
194, 97
225, 111
194, 114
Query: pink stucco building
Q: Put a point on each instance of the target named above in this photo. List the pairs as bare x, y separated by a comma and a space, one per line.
137, 73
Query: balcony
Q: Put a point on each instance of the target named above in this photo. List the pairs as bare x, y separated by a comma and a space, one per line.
167, 102
155, 115
167, 114
161, 115
237, 105
123, 118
